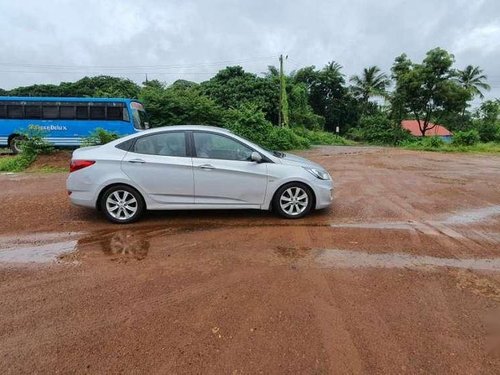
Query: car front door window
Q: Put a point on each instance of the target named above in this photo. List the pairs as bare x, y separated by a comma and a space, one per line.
214, 146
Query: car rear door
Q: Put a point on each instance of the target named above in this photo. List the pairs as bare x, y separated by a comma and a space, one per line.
224, 173
160, 164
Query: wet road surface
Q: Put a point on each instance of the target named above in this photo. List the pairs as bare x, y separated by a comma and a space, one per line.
401, 275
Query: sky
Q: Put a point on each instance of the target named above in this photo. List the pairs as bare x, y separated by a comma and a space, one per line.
62, 40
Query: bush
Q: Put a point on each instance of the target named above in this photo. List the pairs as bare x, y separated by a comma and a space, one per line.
99, 137
488, 131
33, 143
285, 139
379, 129
249, 121
468, 138
318, 137
16, 163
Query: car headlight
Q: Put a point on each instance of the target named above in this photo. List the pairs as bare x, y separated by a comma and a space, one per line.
318, 173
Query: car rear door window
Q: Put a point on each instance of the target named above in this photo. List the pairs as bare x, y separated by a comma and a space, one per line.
164, 144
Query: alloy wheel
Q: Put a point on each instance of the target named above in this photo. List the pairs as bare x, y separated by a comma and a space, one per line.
294, 200
121, 205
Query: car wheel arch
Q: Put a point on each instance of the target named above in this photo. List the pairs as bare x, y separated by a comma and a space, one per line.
293, 182
107, 187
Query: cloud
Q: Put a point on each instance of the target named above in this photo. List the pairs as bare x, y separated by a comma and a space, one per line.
49, 42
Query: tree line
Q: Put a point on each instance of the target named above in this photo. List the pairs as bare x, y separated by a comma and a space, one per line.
365, 107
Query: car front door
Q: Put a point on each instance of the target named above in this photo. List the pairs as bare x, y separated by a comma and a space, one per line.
224, 172
160, 164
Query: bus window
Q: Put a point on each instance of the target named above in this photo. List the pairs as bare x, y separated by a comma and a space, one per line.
3, 111
115, 113
15, 111
50, 112
97, 112
67, 112
32, 111
82, 112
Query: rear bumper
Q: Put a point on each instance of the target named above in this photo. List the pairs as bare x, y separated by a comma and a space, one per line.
82, 198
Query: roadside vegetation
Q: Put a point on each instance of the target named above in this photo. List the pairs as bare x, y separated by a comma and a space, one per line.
32, 146
313, 106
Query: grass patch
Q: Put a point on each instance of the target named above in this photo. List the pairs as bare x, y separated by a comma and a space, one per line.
49, 169
490, 147
16, 163
318, 137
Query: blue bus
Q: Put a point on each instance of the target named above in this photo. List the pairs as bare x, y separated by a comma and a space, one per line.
65, 121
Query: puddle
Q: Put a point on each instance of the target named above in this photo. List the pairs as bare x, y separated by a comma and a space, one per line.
431, 226
333, 258
119, 245
36, 248
46, 253
471, 216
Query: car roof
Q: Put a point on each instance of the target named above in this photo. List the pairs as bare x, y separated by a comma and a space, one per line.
184, 128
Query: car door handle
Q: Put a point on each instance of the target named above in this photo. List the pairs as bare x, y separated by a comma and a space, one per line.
139, 161
206, 166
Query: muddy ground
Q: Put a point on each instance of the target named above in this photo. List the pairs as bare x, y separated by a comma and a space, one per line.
401, 275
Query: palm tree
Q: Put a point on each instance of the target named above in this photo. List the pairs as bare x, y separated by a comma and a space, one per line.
371, 83
473, 80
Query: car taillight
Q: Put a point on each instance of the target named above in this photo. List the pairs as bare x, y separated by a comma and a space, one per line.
80, 164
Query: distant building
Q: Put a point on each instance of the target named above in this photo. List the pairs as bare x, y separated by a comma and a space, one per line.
433, 130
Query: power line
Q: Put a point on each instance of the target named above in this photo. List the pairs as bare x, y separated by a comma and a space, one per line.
118, 67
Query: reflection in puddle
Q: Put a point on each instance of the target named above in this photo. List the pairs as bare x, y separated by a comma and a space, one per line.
46, 253
126, 244
358, 259
118, 245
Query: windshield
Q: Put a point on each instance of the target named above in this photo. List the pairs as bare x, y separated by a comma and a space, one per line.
139, 116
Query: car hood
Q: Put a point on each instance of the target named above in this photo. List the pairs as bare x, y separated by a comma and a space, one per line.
291, 159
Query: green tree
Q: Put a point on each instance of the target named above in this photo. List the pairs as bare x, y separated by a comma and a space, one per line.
328, 95
372, 82
180, 104
427, 91
487, 121
232, 87
100, 86
473, 80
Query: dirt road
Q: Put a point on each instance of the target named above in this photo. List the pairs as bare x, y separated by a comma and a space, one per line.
401, 275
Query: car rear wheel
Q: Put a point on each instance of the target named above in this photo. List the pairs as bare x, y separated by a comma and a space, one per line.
122, 204
293, 200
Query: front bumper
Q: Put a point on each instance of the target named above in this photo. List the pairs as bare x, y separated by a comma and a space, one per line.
324, 193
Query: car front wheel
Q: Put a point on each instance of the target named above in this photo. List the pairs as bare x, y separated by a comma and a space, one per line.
122, 204
293, 200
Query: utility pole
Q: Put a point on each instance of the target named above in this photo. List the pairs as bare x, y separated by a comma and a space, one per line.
283, 108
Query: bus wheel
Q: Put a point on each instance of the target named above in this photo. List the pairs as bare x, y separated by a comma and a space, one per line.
15, 143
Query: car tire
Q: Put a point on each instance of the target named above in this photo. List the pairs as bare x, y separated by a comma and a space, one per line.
122, 204
14, 143
293, 200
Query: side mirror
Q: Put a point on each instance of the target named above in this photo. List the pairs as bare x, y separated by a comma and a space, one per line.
256, 157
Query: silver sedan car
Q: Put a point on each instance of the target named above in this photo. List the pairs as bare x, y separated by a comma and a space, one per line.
193, 167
